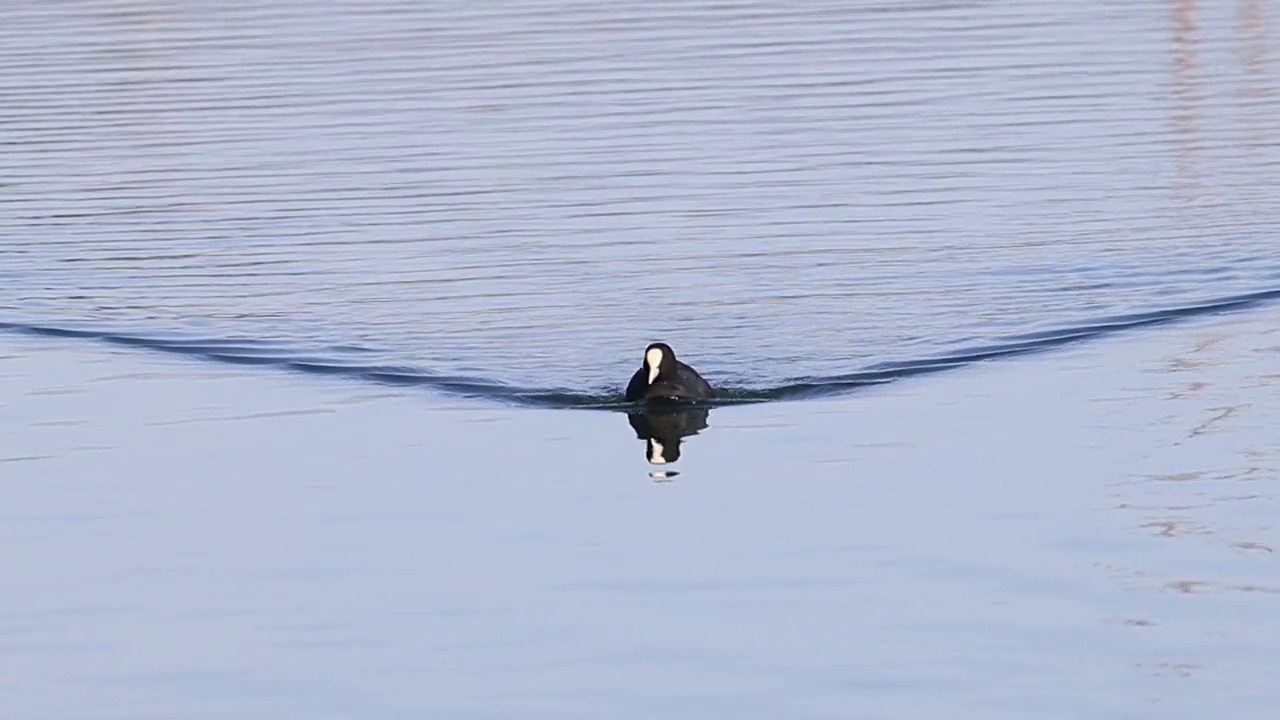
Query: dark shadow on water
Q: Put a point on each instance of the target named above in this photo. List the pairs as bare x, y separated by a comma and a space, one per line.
267, 354
663, 427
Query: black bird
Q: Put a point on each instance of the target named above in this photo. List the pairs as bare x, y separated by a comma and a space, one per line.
662, 377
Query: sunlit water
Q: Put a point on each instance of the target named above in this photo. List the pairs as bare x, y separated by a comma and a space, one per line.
417, 209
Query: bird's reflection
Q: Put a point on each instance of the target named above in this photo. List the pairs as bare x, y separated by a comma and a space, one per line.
663, 427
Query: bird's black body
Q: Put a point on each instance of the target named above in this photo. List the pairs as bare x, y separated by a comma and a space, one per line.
673, 382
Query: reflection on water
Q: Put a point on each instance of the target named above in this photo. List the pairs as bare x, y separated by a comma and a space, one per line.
1201, 93
1208, 481
664, 427
1253, 47
1257, 85
1186, 90
950, 539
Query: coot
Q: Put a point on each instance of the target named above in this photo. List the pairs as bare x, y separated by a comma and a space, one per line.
662, 377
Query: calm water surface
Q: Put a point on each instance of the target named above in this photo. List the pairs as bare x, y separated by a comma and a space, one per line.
1088, 533
412, 201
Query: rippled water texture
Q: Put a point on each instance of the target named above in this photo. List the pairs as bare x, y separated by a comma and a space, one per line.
524, 194
402, 203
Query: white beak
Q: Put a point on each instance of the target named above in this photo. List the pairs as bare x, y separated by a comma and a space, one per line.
653, 359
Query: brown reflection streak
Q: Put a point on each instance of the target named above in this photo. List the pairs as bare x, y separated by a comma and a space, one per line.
1174, 528
1191, 390
1195, 587
1186, 95
1147, 581
1223, 414
1253, 46
1174, 503
1253, 36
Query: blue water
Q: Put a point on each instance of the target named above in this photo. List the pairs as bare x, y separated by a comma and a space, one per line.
1087, 532
265, 355
296, 299
526, 197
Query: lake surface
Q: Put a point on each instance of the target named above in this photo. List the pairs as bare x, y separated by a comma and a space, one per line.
301, 309
528, 193
1088, 533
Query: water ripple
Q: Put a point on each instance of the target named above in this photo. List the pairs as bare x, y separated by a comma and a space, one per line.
272, 355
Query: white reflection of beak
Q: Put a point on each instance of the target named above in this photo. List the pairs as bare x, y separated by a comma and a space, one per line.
656, 456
